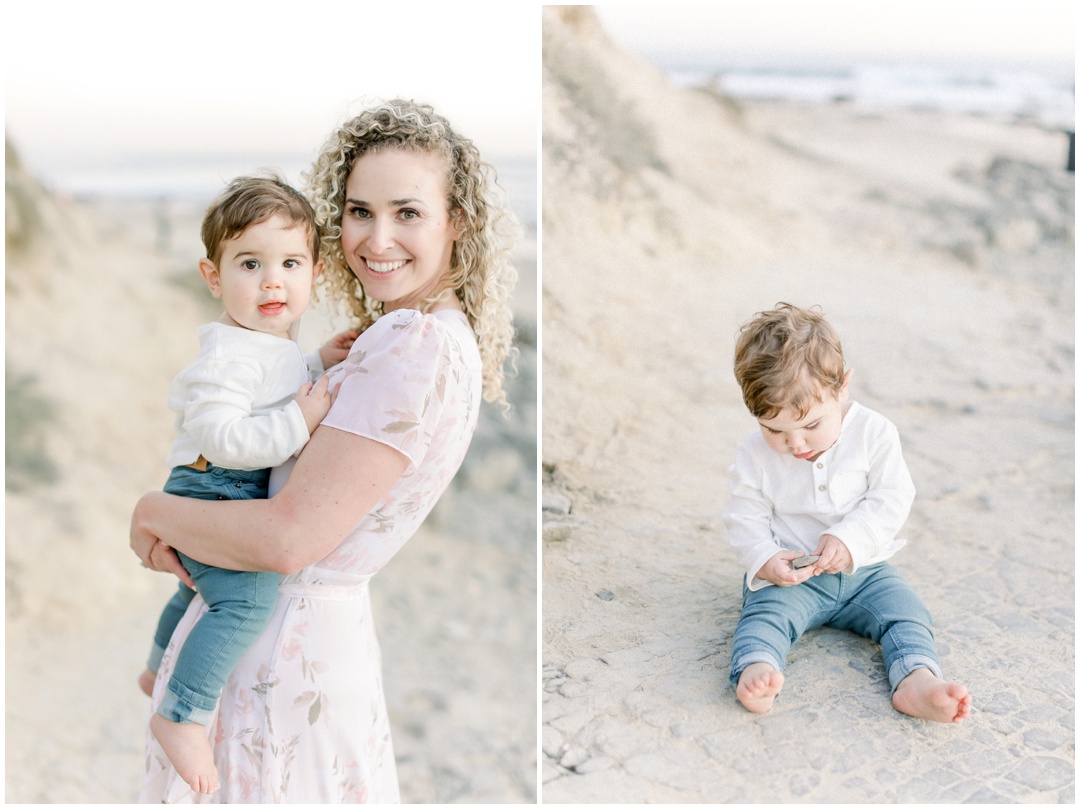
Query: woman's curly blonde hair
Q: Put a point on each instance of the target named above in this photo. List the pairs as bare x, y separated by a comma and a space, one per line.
480, 272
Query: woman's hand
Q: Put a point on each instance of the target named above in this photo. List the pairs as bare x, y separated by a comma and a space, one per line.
152, 552
336, 349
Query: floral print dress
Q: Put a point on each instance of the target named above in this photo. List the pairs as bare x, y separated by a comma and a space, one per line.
302, 718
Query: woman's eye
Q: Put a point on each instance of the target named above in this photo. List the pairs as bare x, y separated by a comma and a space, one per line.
359, 213
409, 213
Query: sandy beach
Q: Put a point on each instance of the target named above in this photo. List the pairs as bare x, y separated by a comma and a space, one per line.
941, 246
103, 302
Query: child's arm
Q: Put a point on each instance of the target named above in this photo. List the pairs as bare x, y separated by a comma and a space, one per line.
314, 401
218, 416
749, 522
868, 530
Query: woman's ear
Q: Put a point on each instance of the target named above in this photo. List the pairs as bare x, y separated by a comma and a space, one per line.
209, 271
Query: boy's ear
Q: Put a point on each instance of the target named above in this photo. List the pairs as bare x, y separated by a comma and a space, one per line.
317, 271
209, 271
845, 383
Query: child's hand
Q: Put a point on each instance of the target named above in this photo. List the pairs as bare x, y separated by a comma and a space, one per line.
778, 570
337, 348
835, 557
314, 401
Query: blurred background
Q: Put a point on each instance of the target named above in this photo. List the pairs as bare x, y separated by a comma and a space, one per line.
1005, 58
122, 121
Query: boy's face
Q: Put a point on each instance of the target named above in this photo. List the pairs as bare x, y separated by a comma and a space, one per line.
264, 276
808, 437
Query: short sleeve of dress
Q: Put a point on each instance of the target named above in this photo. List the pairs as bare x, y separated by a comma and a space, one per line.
394, 381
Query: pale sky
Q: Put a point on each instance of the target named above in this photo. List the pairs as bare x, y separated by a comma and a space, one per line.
766, 32
99, 77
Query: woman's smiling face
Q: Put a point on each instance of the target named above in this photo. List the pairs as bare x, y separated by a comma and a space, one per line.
396, 231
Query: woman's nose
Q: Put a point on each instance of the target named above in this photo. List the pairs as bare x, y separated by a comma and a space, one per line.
381, 237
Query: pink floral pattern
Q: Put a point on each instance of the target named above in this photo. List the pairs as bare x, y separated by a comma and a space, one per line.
302, 719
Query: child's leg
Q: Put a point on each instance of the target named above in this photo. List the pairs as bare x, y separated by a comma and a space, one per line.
239, 605
772, 619
883, 607
219, 484
170, 617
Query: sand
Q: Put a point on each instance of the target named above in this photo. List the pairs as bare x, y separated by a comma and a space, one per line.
103, 302
941, 247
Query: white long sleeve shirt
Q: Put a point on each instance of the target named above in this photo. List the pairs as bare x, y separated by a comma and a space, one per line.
859, 490
235, 404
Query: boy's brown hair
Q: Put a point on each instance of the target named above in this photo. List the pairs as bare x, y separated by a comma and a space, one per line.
250, 200
787, 358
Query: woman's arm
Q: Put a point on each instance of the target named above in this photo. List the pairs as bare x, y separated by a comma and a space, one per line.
338, 478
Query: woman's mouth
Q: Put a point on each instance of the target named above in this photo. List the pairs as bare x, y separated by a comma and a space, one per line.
384, 267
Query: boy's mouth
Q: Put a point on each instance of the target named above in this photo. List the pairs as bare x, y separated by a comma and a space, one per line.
271, 307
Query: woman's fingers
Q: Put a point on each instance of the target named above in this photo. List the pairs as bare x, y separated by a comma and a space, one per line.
165, 559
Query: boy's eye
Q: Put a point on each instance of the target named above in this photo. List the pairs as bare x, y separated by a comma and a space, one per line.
813, 426
250, 264
291, 262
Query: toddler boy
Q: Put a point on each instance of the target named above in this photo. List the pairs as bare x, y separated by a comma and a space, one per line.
245, 405
819, 493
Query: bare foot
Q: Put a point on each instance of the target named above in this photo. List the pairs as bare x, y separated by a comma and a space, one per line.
146, 682
924, 695
189, 751
758, 686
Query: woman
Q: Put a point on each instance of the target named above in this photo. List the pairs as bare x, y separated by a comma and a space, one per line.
415, 246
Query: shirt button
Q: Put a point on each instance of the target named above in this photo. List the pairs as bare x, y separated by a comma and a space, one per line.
821, 488
820, 465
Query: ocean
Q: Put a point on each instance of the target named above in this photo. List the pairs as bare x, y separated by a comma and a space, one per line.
1046, 96
199, 177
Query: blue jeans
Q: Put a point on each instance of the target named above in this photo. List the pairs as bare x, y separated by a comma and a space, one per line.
239, 605
874, 602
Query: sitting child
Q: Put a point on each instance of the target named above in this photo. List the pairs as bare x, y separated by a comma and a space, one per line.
819, 493
246, 404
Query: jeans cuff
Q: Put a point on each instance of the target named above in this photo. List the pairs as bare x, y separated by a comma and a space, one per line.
176, 708
904, 665
749, 658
